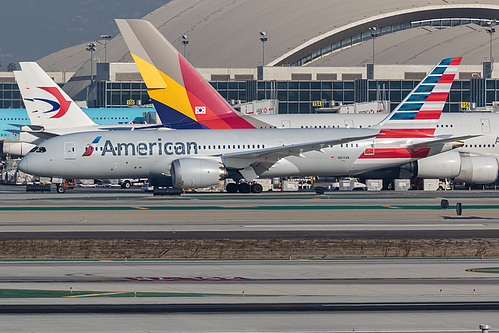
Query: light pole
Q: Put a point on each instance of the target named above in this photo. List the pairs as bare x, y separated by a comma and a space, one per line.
263, 38
491, 31
185, 41
374, 34
106, 38
91, 48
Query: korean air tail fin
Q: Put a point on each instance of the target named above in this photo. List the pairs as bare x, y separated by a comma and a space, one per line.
46, 103
182, 97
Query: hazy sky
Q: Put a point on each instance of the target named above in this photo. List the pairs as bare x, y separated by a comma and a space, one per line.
32, 29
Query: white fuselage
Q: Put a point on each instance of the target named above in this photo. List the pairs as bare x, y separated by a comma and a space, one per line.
24, 142
118, 154
456, 124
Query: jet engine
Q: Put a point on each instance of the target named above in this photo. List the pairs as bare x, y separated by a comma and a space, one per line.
478, 170
196, 172
17, 148
460, 166
445, 165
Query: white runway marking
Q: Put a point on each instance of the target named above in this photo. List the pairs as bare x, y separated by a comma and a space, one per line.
308, 226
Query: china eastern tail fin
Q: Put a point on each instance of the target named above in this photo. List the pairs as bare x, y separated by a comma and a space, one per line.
417, 115
182, 97
46, 103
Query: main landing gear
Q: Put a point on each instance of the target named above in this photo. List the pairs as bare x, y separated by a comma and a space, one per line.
244, 188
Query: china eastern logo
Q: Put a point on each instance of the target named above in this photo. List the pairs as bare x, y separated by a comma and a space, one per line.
61, 107
90, 149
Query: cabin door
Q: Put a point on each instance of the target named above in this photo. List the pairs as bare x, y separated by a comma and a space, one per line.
69, 150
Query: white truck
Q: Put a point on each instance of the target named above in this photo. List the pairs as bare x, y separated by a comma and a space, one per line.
129, 182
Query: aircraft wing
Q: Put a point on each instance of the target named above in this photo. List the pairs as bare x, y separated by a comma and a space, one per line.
134, 127
253, 163
17, 125
13, 131
39, 131
440, 141
41, 134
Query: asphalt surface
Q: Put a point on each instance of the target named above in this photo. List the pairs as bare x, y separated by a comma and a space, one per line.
382, 295
248, 308
126, 214
399, 295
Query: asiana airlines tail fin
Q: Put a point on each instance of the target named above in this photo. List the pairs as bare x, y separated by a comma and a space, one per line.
182, 97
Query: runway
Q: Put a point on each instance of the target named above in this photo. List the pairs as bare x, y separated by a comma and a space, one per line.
390, 295
120, 211
293, 294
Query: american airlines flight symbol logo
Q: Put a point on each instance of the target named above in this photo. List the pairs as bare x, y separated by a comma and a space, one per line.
90, 149
61, 106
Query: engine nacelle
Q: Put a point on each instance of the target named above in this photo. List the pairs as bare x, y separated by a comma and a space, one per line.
196, 173
478, 170
445, 165
17, 148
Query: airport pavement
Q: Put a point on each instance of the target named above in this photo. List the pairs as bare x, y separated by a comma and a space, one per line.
113, 210
176, 222
388, 295
369, 295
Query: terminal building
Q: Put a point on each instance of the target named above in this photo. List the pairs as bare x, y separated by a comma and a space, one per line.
303, 56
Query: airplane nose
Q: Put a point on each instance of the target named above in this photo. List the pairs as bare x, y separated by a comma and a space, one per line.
23, 164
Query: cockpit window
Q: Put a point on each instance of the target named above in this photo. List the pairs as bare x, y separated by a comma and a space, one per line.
33, 149
39, 149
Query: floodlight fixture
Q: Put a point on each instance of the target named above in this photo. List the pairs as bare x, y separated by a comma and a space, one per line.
106, 38
185, 42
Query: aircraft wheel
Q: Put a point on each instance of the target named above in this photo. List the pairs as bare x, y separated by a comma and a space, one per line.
244, 188
320, 190
231, 188
256, 188
61, 189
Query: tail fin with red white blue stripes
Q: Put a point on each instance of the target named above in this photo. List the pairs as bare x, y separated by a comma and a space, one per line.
420, 111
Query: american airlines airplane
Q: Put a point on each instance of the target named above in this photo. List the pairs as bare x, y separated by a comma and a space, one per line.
199, 158
51, 112
183, 99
